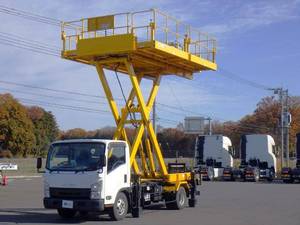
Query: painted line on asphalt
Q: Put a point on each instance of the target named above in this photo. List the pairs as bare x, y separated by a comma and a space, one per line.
22, 177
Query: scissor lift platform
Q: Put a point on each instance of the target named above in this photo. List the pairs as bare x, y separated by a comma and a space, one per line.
154, 42
142, 45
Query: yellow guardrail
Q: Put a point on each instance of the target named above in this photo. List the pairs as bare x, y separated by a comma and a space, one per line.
148, 25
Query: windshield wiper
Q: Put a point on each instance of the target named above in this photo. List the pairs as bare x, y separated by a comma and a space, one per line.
82, 170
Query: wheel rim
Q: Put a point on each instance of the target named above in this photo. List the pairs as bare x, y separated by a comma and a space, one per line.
121, 206
181, 199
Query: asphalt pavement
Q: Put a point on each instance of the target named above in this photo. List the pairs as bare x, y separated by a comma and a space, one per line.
220, 203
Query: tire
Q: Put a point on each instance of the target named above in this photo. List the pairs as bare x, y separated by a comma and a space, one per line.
66, 213
179, 200
136, 212
84, 214
192, 203
271, 177
290, 181
120, 208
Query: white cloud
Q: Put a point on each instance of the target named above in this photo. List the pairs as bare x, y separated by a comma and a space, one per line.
254, 14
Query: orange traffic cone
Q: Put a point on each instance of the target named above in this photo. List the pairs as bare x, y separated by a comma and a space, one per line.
4, 180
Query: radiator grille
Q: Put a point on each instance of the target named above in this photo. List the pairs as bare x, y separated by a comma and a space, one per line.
70, 193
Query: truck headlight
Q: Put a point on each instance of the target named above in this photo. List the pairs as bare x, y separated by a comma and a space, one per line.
96, 190
46, 190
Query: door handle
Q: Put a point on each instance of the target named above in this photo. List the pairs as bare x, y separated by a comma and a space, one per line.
125, 178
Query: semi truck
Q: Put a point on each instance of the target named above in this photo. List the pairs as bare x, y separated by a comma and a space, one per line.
288, 174
213, 153
258, 161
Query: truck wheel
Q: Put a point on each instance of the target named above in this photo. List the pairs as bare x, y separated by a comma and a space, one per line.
83, 214
136, 212
179, 201
288, 181
66, 213
270, 178
192, 203
232, 178
120, 208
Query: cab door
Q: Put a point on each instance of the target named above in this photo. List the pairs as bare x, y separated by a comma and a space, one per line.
118, 171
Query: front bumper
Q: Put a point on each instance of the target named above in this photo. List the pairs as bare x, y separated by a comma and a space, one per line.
286, 177
263, 176
205, 177
296, 176
250, 177
227, 177
78, 204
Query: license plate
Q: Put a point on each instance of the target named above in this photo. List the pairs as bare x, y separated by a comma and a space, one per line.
67, 204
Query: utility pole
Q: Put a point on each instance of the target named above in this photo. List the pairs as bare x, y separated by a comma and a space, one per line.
285, 120
287, 123
209, 124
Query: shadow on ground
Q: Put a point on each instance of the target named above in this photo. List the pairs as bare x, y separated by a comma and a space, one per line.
38, 216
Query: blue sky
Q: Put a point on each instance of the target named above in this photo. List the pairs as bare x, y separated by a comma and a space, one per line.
257, 40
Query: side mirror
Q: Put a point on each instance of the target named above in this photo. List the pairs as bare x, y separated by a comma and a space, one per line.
103, 161
39, 163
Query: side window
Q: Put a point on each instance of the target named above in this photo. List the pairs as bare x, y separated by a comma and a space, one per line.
115, 157
60, 157
231, 151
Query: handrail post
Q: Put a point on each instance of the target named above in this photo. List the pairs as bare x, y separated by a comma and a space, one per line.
63, 38
214, 52
152, 27
82, 29
187, 42
127, 22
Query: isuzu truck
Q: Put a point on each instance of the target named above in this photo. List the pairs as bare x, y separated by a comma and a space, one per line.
92, 175
213, 153
107, 175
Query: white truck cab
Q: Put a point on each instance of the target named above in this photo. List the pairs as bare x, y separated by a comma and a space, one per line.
213, 153
258, 157
261, 147
86, 175
94, 175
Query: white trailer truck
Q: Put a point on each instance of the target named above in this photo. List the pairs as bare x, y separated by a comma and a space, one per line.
213, 153
258, 160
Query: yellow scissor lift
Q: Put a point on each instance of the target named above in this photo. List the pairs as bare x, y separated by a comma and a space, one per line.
147, 44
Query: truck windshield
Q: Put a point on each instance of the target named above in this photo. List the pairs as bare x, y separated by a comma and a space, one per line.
85, 156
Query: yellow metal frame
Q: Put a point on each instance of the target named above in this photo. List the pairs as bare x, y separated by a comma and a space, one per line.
143, 108
149, 170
